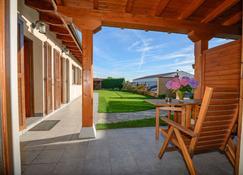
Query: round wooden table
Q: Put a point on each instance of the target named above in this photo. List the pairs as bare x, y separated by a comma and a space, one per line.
184, 107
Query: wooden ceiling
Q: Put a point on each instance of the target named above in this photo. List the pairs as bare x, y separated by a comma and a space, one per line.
197, 18
48, 14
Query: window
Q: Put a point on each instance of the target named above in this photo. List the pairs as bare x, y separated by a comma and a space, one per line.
77, 77
74, 74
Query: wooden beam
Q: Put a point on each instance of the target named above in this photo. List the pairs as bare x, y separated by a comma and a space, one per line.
87, 79
194, 36
59, 29
96, 4
218, 10
68, 27
129, 6
50, 18
160, 7
35, 4
64, 37
233, 19
125, 20
199, 48
66, 43
195, 4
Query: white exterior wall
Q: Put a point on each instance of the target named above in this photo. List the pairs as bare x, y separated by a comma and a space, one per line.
148, 81
28, 15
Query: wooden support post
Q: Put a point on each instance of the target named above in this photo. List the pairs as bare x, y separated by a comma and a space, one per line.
88, 130
6, 148
87, 80
199, 47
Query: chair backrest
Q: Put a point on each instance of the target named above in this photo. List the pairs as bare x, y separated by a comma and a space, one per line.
217, 116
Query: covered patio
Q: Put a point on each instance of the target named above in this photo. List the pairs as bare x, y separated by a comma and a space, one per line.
127, 151
121, 151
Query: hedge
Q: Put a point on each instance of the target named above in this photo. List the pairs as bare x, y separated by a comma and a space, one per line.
112, 83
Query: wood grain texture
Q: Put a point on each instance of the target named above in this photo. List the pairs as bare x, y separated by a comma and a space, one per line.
5, 101
48, 78
87, 79
29, 78
57, 79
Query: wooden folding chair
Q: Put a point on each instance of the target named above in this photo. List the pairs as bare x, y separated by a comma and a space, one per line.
211, 131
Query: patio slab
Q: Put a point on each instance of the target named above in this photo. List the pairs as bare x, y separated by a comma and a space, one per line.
113, 152
126, 116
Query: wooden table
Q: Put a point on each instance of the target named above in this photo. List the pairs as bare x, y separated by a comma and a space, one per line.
186, 107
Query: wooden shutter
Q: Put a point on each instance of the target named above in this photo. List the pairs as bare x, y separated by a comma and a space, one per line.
29, 78
64, 82
57, 79
21, 82
48, 77
67, 81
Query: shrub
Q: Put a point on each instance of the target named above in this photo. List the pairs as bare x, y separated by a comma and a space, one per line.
112, 83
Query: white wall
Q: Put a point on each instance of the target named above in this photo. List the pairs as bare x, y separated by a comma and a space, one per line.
30, 16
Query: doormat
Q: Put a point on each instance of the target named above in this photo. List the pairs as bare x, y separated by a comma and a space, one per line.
45, 125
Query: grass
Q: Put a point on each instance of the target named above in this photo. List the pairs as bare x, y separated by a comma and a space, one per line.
118, 101
129, 124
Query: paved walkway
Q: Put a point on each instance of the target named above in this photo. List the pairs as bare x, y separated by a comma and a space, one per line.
117, 117
113, 152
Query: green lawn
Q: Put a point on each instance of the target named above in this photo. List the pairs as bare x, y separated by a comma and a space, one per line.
129, 124
118, 101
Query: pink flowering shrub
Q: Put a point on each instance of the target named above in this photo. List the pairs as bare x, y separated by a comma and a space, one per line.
184, 84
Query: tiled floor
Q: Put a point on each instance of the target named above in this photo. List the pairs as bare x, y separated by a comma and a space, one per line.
121, 151
118, 117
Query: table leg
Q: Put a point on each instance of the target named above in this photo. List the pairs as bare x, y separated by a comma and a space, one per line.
157, 123
176, 116
183, 116
169, 114
188, 116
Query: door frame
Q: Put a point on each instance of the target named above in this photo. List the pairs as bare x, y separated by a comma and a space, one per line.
5, 103
28, 43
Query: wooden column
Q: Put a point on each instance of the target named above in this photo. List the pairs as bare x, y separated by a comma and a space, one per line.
87, 78
199, 47
6, 148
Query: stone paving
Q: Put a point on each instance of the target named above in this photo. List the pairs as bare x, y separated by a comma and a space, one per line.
117, 117
112, 152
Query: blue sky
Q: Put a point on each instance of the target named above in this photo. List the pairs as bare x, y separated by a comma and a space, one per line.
135, 53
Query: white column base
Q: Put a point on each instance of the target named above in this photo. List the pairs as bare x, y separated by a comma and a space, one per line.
87, 132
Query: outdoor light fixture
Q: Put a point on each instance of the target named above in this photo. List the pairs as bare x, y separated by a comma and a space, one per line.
39, 26
65, 50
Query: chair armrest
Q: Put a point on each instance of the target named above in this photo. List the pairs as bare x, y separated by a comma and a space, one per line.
178, 126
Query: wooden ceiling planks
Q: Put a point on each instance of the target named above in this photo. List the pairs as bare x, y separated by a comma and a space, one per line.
160, 7
48, 14
180, 16
219, 9
235, 18
195, 4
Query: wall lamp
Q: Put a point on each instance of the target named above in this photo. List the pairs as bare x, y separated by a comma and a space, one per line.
40, 26
65, 50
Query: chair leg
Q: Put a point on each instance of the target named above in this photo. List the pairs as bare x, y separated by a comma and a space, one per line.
185, 152
165, 144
